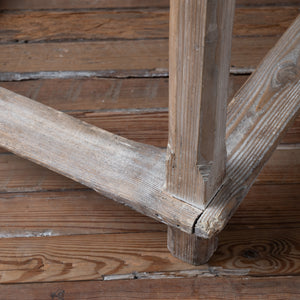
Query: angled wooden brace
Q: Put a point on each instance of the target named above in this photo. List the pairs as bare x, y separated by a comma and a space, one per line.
165, 186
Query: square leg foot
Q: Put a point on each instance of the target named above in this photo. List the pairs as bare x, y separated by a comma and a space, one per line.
190, 248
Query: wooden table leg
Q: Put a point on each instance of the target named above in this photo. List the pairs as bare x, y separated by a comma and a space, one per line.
190, 248
200, 48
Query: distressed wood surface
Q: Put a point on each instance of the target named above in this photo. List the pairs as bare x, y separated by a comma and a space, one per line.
25, 214
134, 108
285, 158
99, 4
103, 4
199, 67
90, 257
71, 212
167, 287
37, 26
261, 250
246, 52
148, 58
80, 4
99, 56
199, 54
293, 133
265, 209
257, 118
150, 127
190, 248
20, 175
268, 207
123, 170
96, 94
230, 288
263, 3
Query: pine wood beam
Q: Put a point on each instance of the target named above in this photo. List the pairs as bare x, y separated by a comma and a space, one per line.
126, 171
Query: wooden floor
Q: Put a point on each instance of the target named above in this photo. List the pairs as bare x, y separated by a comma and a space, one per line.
106, 62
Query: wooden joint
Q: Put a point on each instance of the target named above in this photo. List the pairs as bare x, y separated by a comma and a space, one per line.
257, 118
126, 171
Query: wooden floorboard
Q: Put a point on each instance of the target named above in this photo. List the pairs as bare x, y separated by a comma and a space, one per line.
68, 213
231, 288
146, 57
71, 212
106, 62
100, 94
265, 252
104, 4
80, 4
104, 93
37, 26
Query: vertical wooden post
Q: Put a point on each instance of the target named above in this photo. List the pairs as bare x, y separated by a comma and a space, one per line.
200, 48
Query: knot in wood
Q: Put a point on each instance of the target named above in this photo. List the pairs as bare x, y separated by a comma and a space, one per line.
288, 72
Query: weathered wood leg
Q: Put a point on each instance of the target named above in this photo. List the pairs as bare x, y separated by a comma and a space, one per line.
190, 248
134, 174
200, 47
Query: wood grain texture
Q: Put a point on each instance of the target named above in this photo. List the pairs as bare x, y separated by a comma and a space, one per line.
199, 67
149, 127
140, 58
190, 248
84, 257
87, 25
235, 83
96, 94
86, 4
65, 213
268, 207
92, 257
271, 212
134, 108
270, 20
283, 167
199, 53
145, 127
70, 212
264, 3
89, 56
255, 48
293, 133
123, 170
20, 175
80, 4
257, 118
92, 94
231, 288
264, 252
37, 26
